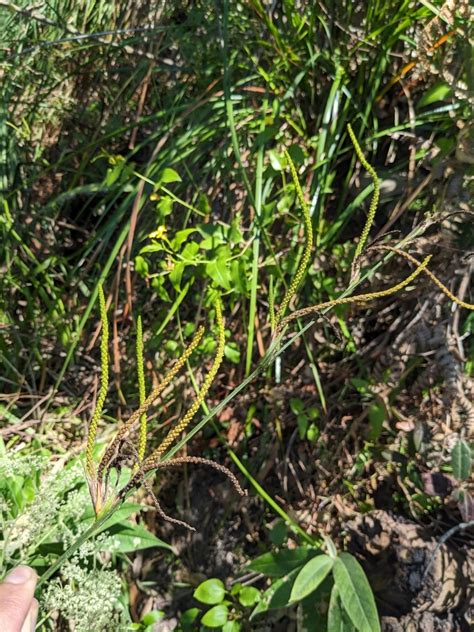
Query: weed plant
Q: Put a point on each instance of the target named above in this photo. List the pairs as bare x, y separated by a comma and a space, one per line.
160, 150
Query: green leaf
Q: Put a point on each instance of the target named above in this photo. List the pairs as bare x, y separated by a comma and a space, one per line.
141, 266
461, 460
248, 596
188, 618
165, 206
312, 433
296, 405
438, 92
232, 352
169, 175
231, 626
280, 563
129, 538
356, 594
219, 272
302, 421
176, 275
180, 237
119, 516
311, 576
215, 617
337, 617
152, 617
277, 161
211, 591
277, 595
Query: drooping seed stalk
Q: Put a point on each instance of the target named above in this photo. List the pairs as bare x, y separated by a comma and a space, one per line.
358, 298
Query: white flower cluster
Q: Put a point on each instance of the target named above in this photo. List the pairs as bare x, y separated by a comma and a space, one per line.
55, 505
87, 599
12, 464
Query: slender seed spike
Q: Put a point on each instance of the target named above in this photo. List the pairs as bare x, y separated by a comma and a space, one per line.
134, 417
308, 225
188, 417
428, 272
271, 305
141, 389
375, 197
359, 298
104, 384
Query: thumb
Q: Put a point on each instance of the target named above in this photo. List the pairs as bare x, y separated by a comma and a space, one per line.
18, 608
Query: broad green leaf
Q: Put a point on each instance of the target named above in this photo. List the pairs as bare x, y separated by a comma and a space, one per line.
232, 352
356, 594
169, 175
461, 460
277, 596
248, 596
277, 161
215, 617
129, 538
337, 617
310, 576
219, 272
211, 591
180, 237
119, 516
280, 563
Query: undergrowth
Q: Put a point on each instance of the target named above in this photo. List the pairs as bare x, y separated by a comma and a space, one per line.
293, 174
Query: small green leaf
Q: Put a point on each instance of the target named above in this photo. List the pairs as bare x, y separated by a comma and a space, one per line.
311, 576
302, 421
211, 592
277, 596
176, 275
282, 562
312, 433
296, 405
356, 594
232, 352
219, 272
278, 533
337, 617
169, 175
277, 161
231, 626
152, 617
461, 461
188, 618
438, 92
141, 266
215, 617
248, 596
